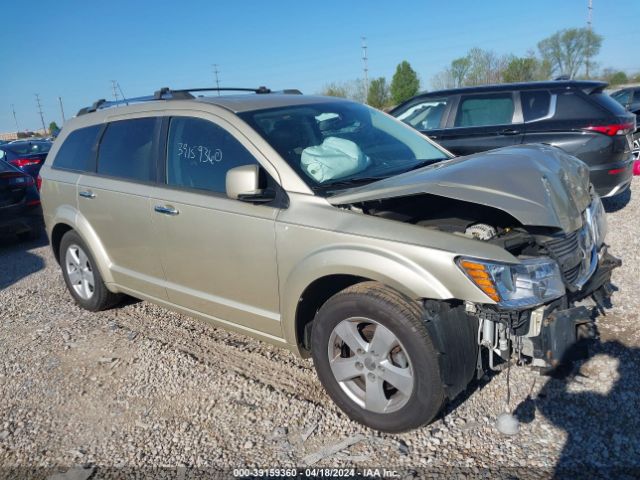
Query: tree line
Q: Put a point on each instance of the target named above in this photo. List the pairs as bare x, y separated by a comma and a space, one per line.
567, 53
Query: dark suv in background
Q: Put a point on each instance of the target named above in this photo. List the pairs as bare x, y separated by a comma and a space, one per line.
629, 98
576, 116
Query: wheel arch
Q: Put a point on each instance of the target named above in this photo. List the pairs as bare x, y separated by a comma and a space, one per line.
326, 272
67, 219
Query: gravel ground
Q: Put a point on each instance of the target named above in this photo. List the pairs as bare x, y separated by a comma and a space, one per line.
139, 387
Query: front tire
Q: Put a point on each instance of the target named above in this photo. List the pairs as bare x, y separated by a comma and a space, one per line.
374, 357
82, 276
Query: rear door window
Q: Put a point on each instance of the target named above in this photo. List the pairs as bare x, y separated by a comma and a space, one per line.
425, 115
535, 104
481, 110
78, 150
200, 153
126, 150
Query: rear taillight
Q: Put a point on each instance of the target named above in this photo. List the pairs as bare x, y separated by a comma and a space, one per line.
636, 168
39, 182
614, 128
25, 162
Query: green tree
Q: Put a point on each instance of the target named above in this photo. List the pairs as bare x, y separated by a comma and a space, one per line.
459, 70
53, 127
521, 69
405, 83
618, 78
567, 51
354, 90
378, 96
485, 67
334, 89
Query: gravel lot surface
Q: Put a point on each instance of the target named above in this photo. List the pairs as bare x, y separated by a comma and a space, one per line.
140, 386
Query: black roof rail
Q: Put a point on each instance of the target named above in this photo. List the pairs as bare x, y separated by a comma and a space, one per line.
165, 93
186, 92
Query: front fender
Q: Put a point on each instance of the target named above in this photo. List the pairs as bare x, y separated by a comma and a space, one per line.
372, 263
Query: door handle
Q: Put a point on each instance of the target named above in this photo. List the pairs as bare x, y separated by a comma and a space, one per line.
166, 210
509, 131
87, 194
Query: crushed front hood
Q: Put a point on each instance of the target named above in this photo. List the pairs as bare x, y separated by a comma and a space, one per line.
538, 185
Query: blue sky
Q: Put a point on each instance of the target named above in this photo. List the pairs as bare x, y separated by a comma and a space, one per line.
73, 49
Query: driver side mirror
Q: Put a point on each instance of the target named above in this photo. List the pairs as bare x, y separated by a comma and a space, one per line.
243, 183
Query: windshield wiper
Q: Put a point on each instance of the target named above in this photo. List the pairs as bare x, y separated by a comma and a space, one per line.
424, 163
348, 183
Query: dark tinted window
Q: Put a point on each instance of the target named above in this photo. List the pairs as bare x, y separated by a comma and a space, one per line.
535, 104
76, 153
27, 148
480, 110
572, 106
424, 115
636, 96
4, 166
199, 154
126, 149
622, 97
609, 103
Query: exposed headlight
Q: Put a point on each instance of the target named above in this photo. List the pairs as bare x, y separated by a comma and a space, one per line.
529, 283
597, 219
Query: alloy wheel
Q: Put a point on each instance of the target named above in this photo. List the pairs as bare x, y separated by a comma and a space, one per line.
370, 365
79, 272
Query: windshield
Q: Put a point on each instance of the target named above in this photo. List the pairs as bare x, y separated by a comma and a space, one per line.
341, 144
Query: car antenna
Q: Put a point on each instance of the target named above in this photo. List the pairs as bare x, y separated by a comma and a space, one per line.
123, 97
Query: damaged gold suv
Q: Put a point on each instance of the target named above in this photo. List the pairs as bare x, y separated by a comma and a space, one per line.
333, 230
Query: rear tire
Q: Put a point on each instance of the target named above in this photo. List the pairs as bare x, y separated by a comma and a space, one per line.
375, 358
82, 276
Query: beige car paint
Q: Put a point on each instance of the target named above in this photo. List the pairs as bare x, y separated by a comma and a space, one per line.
237, 265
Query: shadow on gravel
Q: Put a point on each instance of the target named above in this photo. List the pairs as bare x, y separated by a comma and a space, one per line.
613, 204
603, 430
16, 261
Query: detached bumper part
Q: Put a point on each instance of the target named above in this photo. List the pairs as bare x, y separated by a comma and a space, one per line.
558, 337
561, 329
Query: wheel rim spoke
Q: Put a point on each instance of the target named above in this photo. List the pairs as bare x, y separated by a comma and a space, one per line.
82, 258
375, 399
348, 332
85, 288
383, 341
397, 377
345, 368
73, 255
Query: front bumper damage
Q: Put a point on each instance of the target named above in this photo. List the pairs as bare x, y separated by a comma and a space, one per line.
548, 336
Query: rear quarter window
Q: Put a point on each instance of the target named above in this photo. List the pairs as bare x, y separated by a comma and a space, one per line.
572, 106
77, 151
609, 103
